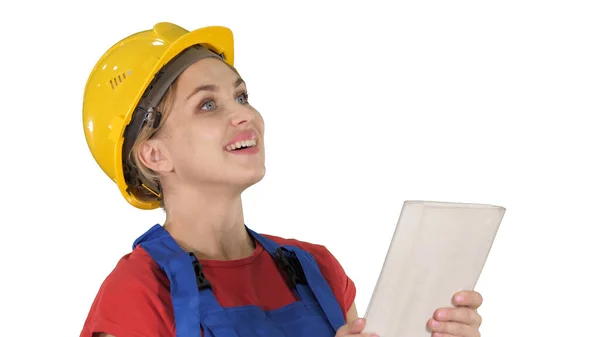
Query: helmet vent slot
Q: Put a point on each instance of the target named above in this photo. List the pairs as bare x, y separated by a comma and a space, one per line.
115, 81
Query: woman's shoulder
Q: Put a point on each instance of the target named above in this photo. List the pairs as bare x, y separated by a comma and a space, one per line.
139, 267
310, 247
320, 252
132, 300
135, 271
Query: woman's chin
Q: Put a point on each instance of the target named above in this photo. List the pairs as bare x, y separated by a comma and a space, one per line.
248, 178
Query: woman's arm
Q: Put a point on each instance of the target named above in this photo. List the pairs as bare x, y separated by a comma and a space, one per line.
351, 315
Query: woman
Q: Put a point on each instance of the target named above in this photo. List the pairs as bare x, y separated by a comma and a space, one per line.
167, 117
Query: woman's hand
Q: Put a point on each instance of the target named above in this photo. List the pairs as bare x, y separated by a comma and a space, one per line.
460, 321
354, 329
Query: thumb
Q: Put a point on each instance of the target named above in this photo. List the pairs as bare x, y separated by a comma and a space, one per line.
358, 325
353, 328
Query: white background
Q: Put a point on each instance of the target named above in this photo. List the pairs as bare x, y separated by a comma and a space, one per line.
367, 104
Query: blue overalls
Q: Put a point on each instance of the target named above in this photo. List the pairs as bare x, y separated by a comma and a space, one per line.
195, 307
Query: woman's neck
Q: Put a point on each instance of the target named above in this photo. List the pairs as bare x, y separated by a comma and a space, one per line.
210, 225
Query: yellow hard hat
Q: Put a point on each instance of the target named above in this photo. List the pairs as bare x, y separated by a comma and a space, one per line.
128, 82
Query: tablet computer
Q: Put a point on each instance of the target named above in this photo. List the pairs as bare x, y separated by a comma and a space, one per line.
437, 249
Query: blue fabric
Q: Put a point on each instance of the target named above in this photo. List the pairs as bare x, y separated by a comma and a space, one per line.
316, 314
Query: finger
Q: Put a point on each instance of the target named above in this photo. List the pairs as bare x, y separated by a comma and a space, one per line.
440, 334
354, 329
471, 299
459, 315
453, 328
350, 328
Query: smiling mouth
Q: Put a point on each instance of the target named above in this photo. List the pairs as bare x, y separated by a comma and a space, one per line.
244, 144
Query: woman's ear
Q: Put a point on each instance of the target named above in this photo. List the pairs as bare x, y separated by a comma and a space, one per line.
154, 155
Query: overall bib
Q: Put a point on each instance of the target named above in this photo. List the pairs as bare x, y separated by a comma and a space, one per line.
196, 309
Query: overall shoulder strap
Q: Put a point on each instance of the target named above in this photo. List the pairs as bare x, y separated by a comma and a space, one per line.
302, 268
190, 291
319, 286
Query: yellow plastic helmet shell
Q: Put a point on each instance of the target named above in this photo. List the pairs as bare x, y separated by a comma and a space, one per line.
120, 78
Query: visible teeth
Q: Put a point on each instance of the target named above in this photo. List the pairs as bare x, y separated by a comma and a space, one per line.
240, 144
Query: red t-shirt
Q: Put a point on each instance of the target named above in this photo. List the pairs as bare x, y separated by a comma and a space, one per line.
135, 300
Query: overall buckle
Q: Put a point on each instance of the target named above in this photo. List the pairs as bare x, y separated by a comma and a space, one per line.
290, 265
201, 280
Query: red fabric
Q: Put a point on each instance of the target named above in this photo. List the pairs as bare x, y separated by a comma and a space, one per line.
134, 300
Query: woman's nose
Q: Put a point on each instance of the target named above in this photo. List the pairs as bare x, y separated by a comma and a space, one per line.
241, 115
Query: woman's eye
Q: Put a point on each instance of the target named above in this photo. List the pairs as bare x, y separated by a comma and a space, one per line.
209, 105
243, 98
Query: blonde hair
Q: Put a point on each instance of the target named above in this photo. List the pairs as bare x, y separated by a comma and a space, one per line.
150, 180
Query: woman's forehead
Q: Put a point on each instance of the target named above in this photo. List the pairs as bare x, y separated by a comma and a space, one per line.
209, 71
208, 75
